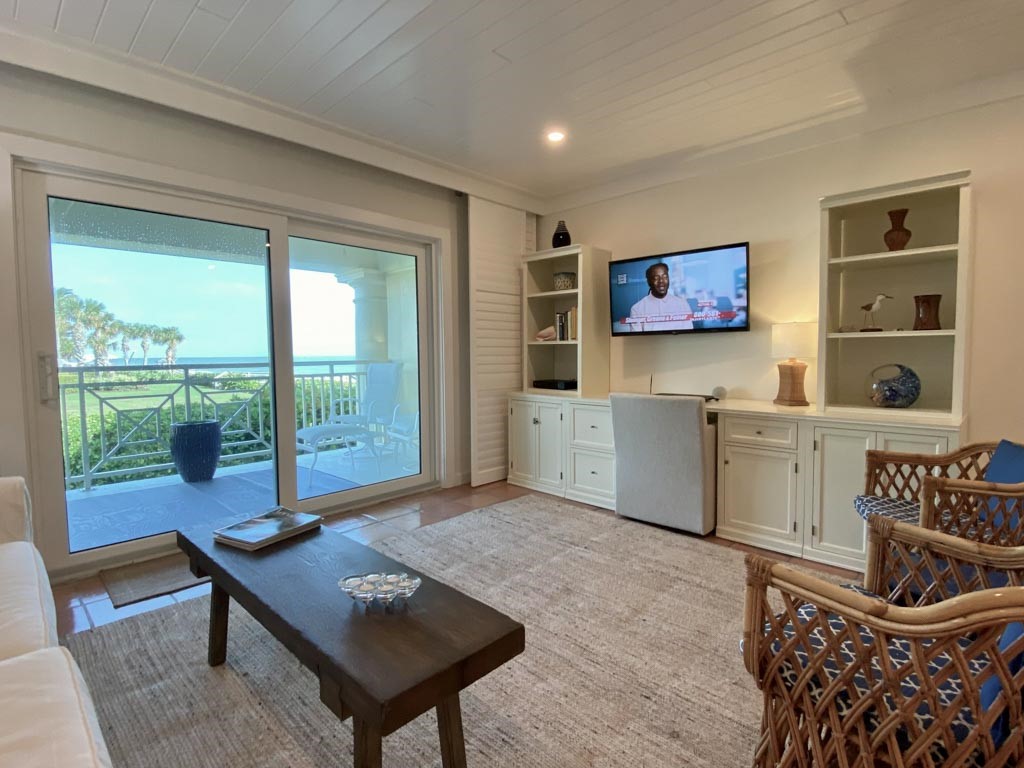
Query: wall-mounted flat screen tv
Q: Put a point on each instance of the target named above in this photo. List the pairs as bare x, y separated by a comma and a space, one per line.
681, 292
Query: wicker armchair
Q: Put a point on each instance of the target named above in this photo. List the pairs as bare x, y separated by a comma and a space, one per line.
931, 676
946, 492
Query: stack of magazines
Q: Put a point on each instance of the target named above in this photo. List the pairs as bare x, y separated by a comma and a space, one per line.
266, 528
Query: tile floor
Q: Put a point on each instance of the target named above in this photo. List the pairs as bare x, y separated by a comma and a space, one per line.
84, 604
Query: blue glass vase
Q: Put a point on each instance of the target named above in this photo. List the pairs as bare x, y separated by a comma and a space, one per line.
898, 390
195, 448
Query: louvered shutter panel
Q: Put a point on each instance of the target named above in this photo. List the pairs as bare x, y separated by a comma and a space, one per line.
497, 238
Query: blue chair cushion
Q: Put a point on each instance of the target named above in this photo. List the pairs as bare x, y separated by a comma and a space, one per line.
900, 510
991, 687
900, 655
1007, 466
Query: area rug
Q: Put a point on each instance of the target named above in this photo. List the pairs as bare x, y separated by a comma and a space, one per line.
136, 582
632, 658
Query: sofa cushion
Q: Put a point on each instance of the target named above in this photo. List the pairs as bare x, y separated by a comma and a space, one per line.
48, 716
900, 510
28, 620
797, 657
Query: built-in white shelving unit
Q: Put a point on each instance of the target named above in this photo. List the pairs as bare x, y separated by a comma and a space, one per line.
584, 358
855, 269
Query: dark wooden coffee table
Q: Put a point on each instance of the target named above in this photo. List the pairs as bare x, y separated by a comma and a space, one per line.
382, 668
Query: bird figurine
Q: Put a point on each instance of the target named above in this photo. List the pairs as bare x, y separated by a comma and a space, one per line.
869, 312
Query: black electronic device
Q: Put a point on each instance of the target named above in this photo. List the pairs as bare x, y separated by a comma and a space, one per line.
681, 292
707, 398
564, 384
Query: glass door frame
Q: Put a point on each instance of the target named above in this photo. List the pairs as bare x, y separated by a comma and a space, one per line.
426, 366
33, 188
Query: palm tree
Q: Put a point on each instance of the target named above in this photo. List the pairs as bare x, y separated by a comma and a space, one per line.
102, 326
129, 332
172, 337
70, 328
147, 334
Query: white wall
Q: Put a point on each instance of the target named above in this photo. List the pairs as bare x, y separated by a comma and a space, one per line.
46, 107
774, 205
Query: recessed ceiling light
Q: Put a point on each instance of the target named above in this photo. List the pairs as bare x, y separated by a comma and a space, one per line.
556, 137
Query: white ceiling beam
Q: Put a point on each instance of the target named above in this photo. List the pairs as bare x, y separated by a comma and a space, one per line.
157, 85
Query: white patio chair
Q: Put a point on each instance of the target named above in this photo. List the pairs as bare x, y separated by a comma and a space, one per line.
356, 430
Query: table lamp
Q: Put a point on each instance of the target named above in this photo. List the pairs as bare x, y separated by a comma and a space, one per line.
790, 341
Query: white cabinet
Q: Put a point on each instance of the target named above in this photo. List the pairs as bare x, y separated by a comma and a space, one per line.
536, 445
591, 454
837, 533
591, 477
563, 447
909, 443
787, 482
759, 497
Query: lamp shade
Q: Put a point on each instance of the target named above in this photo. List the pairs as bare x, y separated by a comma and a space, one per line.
795, 340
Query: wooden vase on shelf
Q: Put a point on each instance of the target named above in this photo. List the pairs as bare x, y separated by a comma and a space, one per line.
926, 312
896, 239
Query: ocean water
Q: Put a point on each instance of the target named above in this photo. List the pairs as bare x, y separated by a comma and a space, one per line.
242, 363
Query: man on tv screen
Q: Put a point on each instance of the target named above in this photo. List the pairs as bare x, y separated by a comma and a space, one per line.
659, 310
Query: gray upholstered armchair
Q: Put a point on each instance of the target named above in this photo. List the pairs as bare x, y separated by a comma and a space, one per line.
664, 461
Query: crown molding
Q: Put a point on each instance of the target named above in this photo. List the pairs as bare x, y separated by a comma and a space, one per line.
842, 125
142, 80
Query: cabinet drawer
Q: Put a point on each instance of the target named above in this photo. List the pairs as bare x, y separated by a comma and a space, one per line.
592, 472
592, 426
776, 433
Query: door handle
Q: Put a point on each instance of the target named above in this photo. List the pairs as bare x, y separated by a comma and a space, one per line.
49, 387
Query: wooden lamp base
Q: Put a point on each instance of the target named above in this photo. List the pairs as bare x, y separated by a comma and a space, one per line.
791, 383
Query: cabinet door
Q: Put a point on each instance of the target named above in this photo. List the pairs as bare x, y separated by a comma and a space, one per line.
838, 534
759, 495
550, 450
522, 439
912, 443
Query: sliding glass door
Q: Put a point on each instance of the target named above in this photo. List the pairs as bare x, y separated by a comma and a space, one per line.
357, 340
195, 365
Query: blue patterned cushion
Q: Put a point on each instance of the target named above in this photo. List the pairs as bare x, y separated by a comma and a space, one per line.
899, 655
901, 510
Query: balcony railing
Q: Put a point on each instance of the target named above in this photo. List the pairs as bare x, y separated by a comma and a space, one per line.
116, 420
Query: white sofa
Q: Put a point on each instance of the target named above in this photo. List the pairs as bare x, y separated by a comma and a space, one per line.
47, 718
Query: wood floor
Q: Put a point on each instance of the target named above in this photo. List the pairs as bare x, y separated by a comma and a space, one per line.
84, 604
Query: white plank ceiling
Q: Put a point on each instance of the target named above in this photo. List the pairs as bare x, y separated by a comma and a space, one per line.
476, 83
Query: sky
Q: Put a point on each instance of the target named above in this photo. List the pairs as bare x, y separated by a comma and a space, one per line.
220, 307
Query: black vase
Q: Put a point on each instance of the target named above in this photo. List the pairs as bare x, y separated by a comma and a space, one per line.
195, 448
561, 237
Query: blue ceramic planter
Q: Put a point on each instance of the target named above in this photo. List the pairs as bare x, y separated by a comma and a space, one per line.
195, 448
900, 390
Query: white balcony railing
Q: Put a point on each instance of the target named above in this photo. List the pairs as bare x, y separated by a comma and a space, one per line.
116, 420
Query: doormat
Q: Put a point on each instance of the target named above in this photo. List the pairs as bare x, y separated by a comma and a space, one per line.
133, 583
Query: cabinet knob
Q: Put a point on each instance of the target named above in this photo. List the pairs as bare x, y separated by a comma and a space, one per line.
758, 432
593, 471
593, 426
726, 461
536, 420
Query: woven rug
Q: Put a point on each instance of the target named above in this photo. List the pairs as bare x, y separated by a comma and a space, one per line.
631, 660
136, 582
